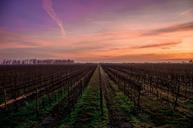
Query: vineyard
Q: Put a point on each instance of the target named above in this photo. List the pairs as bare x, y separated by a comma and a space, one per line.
96, 96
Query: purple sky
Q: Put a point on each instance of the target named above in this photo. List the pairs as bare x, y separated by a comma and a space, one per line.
68, 28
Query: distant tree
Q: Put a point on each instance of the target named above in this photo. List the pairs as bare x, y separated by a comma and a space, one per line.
191, 61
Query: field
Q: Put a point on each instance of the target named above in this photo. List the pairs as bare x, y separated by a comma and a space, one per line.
96, 96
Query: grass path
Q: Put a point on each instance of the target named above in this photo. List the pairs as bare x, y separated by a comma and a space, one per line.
87, 112
119, 106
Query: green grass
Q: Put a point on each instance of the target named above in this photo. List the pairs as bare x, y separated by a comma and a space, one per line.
87, 113
121, 102
26, 115
125, 104
189, 105
156, 115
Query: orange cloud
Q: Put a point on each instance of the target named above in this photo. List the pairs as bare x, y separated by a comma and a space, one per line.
160, 45
101, 46
174, 28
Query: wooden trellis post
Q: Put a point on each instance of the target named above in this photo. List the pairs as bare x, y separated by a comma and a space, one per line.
37, 102
68, 90
15, 93
5, 95
176, 99
139, 95
124, 87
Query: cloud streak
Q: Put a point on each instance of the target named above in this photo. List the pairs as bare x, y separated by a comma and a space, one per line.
159, 45
187, 12
48, 7
174, 28
150, 57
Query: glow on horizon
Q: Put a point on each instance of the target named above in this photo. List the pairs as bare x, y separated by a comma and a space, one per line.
90, 31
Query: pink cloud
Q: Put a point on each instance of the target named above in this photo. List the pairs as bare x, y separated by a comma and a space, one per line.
48, 7
159, 45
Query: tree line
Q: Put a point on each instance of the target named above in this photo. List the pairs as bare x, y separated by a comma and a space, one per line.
36, 61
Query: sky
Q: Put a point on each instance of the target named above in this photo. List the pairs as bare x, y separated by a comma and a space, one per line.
97, 30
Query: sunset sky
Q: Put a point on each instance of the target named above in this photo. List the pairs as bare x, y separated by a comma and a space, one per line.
97, 30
